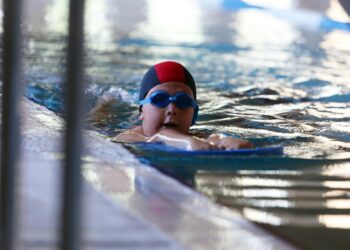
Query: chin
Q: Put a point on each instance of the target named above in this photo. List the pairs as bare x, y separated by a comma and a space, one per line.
177, 129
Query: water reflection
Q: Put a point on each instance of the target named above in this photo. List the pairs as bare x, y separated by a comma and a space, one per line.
262, 216
282, 5
55, 16
337, 170
251, 192
118, 183
265, 181
97, 25
169, 21
254, 28
330, 221
335, 221
305, 198
102, 17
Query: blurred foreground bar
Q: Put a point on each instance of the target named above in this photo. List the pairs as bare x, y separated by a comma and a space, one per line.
10, 148
74, 105
346, 5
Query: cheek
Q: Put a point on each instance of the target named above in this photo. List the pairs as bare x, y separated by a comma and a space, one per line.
152, 111
152, 115
187, 117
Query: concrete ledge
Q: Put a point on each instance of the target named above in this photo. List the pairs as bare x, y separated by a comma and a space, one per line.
127, 205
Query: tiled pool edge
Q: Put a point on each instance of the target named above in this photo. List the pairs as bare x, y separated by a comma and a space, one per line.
184, 215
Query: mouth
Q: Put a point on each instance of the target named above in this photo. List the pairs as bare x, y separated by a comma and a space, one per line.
171, 125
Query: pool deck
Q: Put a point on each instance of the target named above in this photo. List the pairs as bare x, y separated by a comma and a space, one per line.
126, 205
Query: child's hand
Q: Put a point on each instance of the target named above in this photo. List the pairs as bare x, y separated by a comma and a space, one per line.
228, 143
200, 144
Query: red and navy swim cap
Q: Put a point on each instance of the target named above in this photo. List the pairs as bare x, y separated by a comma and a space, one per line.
163, 72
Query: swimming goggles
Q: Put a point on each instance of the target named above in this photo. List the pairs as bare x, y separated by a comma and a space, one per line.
182, 100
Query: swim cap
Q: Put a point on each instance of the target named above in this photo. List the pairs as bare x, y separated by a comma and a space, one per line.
166, 72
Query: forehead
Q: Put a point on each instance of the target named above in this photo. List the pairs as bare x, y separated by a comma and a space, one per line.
172, 88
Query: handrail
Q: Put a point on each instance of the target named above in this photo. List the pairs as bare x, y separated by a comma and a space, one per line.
74, 105
11, 93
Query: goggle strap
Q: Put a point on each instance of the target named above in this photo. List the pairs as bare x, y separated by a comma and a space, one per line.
145, 101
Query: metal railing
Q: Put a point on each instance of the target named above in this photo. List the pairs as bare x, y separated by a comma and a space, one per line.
74, 118
11, 93
11, 141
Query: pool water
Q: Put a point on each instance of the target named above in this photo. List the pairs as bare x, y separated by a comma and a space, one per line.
261, 75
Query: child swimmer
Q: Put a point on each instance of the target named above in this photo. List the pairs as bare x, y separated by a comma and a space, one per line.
168, 108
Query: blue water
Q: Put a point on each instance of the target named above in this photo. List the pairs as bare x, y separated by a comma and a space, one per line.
262, 75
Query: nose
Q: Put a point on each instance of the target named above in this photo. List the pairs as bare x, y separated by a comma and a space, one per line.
171, 109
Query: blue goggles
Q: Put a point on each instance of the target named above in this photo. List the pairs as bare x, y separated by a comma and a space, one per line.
182, 100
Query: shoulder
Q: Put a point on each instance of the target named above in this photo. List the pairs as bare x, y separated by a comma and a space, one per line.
197, 133
133, 135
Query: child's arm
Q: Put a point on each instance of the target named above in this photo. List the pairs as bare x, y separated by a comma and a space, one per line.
102, 110
228, 143
130, 136
179, 140
176, 139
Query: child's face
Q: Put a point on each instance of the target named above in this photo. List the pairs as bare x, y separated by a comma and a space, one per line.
155, 119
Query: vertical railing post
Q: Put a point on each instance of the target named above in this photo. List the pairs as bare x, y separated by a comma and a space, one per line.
75, 106
10, 147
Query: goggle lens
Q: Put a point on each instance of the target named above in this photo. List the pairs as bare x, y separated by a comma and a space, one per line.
182, 100
162, 99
